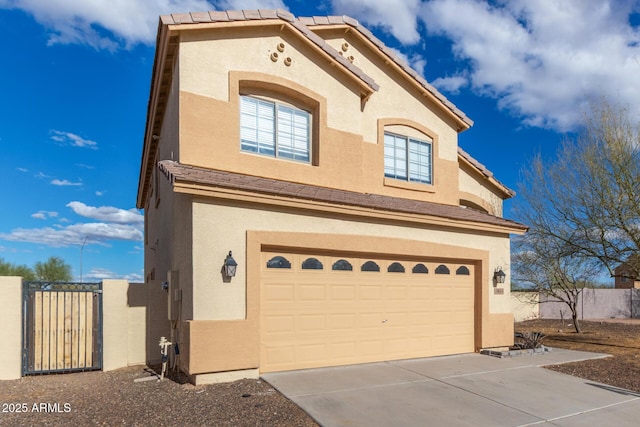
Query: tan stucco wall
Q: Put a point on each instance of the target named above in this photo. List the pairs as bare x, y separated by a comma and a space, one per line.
473, 188
114, 325
219, 228
124, 327
225, 311
350, 150
11, 321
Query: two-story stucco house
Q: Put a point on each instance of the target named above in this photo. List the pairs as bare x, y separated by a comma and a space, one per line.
332, 172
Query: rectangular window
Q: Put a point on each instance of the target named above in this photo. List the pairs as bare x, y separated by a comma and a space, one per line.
274, 129
408, 159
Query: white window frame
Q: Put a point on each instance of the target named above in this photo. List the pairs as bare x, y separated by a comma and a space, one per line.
275, 129
402, 160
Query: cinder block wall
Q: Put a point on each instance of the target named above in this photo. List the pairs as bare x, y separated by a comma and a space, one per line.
525, 306
596, 304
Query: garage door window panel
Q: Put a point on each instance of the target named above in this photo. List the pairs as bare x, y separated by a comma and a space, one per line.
395, 267
312, 264
442, 269
462, 271
420, 269
370, 266
342, 265
278, 262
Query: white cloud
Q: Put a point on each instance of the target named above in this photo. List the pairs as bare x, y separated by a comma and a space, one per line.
543, 60
96, 233
397, 17
415, 61
113, 224
83, 22
99, 193
249, 4
451, 84
68, 138
103, 273
44, 215
107, 213
23, 169
65, 183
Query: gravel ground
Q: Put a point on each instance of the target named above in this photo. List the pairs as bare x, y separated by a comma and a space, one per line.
114, 399
619, 338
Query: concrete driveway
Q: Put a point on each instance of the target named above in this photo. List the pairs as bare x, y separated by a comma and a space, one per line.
464, 390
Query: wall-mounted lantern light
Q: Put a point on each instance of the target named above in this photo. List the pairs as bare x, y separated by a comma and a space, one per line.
230, 265
499, 275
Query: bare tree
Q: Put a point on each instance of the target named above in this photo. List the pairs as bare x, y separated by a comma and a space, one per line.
547, 266
588, 197
582, 207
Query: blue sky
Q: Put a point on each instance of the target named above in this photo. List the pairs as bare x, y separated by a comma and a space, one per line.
75, 78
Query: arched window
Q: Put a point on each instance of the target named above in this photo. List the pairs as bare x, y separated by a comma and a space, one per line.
370, 266
278, 262
311, 264
442, 269
395, 267
420, 269
462, 271
343, 265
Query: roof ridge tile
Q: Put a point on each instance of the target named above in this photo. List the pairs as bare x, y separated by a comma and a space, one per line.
218, 16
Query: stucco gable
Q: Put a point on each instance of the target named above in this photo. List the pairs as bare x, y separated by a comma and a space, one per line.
486, 174
307, 29
320, 22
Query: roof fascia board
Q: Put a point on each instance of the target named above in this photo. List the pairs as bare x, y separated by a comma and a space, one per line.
149, 143
485, 174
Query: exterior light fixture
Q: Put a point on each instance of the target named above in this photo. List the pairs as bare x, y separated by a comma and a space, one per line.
499, 275
230, 265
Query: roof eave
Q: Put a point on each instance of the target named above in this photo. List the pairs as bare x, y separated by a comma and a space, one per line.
485, 173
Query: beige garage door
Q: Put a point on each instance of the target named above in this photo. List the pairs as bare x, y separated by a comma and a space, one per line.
331, 310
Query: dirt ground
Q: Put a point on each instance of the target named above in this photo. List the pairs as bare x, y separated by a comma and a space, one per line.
618, 337
115, 399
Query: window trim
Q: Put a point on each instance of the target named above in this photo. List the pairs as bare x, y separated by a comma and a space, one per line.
276, 87
276, 107
407, 139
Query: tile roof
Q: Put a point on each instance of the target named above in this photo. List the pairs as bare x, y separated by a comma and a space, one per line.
303, 25
197, 175
484, 171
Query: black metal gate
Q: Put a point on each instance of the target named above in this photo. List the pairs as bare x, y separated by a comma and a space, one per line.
61, 327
